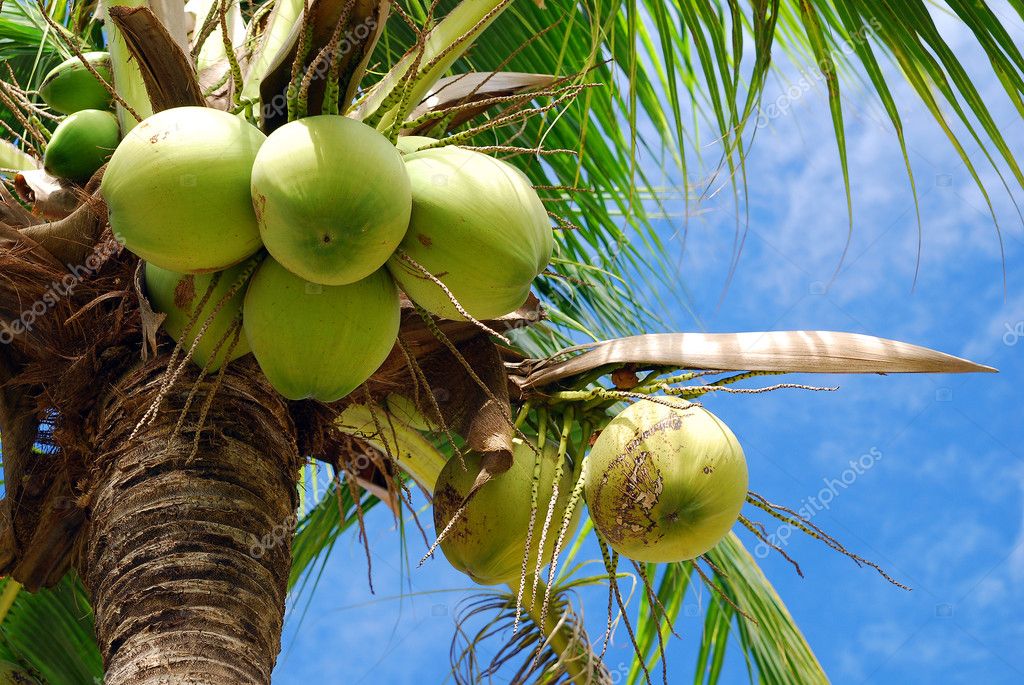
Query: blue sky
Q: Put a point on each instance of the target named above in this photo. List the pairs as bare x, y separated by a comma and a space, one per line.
942, 505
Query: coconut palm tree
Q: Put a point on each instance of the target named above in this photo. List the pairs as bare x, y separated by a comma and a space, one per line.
150, 527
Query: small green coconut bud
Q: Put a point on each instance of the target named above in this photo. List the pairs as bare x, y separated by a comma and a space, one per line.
179, 295
332, 198
488, 541
177, 189
81, 144
318, 341
69, 87
479, 227
664, 483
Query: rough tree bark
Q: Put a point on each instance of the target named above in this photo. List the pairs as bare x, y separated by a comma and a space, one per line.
188, 547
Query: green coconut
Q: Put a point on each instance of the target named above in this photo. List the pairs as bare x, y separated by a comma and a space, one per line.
664, 483
69, 87
332, 198
478, 226
179, 295
488, 541
177, 189
318, 341
81, 144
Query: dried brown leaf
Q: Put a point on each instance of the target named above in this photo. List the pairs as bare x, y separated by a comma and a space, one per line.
783, 351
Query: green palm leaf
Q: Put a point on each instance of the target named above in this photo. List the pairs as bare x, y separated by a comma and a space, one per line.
49, 635
772, 645
776, 645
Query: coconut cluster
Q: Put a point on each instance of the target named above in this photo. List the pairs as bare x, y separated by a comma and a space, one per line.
663, 482
84, 140
305, 236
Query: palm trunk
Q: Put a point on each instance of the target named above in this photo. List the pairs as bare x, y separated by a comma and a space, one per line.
187, 551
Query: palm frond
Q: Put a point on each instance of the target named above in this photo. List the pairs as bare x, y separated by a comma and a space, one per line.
49, 635
317, 532
906, 34
772, 645
675, 75
30, 46
775, 644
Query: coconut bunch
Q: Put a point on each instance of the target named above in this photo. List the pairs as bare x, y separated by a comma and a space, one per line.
290, 232
664, 481
294, 246
82, 141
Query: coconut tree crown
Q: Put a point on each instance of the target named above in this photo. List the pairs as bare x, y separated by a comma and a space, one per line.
410, 214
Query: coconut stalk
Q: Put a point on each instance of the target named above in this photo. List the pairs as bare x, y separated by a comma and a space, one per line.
165, 68
420, 459
127, 75
469, 95
441, 47
212, 64
281, 25
212, 52
318, 66
184, 584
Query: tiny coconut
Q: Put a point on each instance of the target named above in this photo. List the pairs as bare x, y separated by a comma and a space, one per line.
478, 226
70, 87
332, 198
664, 483
488, 541
177, 189
179, 295
81, 144
318, 341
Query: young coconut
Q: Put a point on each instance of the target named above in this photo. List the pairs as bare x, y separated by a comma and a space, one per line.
317, 341
70, 87
479, 227
488, 541
177, 188
81, 144
332, 198
664, 483
179, 295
